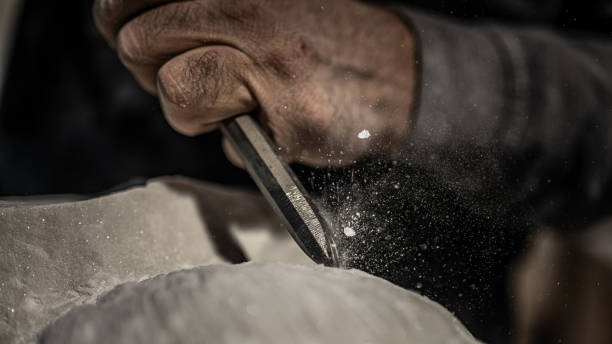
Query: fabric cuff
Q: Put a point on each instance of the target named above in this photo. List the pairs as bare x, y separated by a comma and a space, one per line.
462, 82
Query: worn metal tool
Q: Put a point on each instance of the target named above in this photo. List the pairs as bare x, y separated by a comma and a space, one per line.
281, 188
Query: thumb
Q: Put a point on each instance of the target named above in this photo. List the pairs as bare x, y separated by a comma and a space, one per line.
202, 87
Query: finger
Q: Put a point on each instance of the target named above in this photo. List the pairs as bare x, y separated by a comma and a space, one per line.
231, 154
148, 41
204, 86
111, 15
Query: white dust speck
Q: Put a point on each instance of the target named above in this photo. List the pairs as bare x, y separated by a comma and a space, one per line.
364, 134
419, 285
349, 232
12, 310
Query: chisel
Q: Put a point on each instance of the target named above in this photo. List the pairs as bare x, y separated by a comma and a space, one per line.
281, 188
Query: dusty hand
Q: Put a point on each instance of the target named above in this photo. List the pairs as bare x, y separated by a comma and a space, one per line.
317, 73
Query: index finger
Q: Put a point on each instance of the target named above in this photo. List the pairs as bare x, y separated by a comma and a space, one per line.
111, 15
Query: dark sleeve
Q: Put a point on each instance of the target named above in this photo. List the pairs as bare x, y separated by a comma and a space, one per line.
532, 103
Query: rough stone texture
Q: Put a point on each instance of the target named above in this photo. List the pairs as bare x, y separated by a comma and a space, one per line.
54, 256
260, 303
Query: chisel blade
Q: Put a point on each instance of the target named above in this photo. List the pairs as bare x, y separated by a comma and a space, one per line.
281, 188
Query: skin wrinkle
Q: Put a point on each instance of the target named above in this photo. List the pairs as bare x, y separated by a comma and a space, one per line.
172, 17
213, 81
287, 61
316, 76
161, 28
111, 15
171, 89
132, 48
211, 76
197, 17
250, 14
202, 80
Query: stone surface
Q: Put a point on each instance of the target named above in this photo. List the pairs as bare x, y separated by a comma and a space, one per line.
61, 255
55, 255
259, 303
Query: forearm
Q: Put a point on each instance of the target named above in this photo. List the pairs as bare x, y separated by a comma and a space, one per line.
526, 100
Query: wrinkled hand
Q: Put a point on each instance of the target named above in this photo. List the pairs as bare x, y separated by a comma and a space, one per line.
316, 73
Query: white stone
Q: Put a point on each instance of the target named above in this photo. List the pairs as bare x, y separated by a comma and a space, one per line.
127, 236
260, 303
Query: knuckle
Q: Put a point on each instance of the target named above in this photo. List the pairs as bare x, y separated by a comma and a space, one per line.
289, 59
171, 86
250, 17
197, 87
245, 11
196, 79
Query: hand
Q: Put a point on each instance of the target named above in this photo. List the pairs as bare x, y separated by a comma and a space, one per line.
316, 73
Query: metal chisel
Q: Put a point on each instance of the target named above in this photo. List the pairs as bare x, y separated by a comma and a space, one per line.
281, 188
